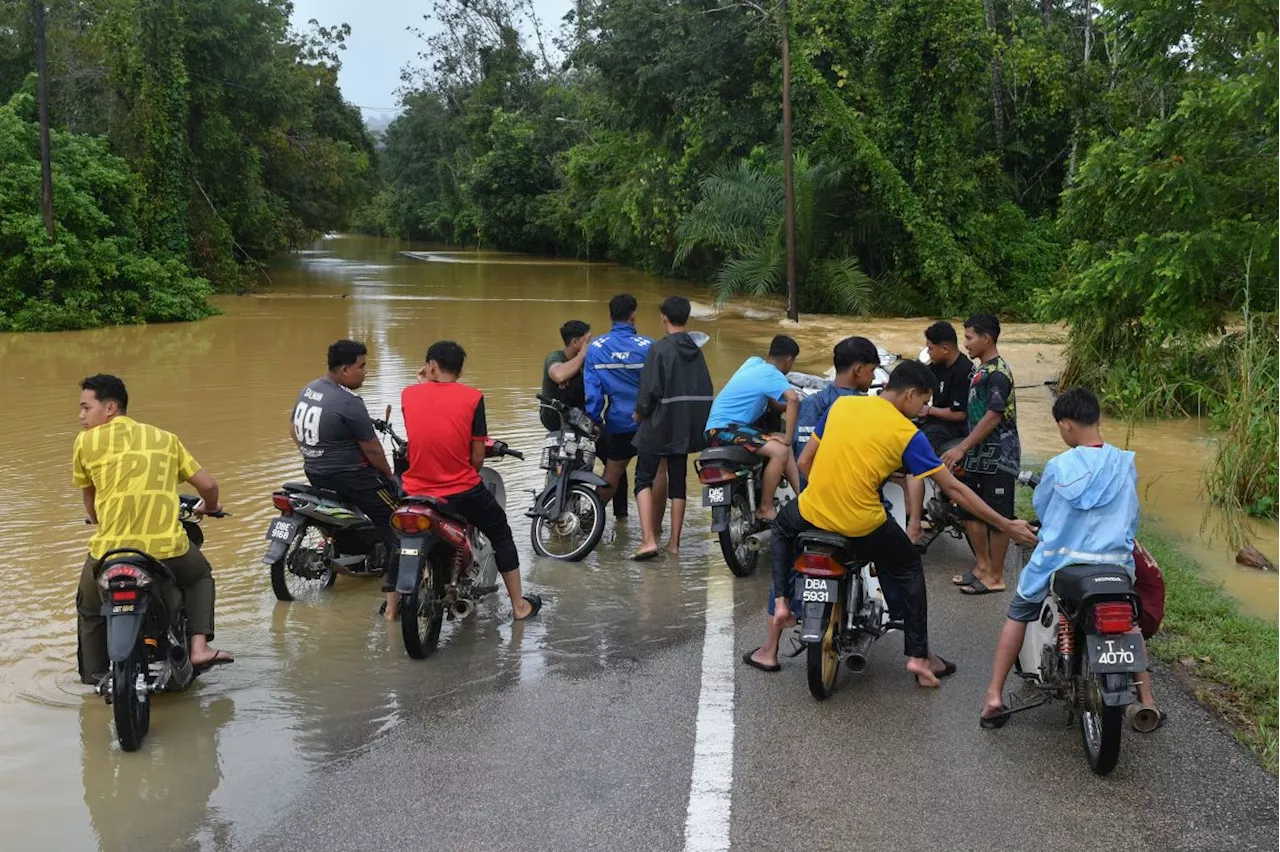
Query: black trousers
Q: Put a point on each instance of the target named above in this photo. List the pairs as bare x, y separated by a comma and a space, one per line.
895, 559
481, 509
677, 473
371, 493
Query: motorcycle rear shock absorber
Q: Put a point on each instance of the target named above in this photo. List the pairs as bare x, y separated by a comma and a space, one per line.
1066, 636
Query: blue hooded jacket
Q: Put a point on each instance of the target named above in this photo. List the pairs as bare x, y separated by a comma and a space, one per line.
612, 369
1087, 501
812, 408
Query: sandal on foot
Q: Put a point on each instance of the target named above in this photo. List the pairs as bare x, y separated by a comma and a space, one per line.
535, 601
645, 555
990, 723
749, 660
965, 579
219, 658
948, 668
978, 588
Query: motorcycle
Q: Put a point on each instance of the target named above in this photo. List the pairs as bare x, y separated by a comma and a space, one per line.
318, 535
146, 631
843, 608
446, 565
1085, 649
568, 516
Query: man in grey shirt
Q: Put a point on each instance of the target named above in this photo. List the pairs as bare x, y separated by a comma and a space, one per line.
340, 449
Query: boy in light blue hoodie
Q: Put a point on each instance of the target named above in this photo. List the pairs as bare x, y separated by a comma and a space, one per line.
1087, 502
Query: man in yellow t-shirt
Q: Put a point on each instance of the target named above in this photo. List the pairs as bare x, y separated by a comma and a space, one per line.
128, 473
858, 443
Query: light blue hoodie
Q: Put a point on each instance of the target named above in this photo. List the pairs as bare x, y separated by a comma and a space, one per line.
1087, 501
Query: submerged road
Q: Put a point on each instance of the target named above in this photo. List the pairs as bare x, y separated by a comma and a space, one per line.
621, 745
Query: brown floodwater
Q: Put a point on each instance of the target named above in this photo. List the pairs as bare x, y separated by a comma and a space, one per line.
315, 681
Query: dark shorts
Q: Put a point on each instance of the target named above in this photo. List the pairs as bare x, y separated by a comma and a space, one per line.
743, 436
619, 446
995, 489
677, 471
1021, 609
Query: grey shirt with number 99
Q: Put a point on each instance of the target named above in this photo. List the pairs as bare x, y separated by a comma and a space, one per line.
329, 422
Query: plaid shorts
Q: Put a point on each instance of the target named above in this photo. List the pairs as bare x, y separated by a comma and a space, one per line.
743, 436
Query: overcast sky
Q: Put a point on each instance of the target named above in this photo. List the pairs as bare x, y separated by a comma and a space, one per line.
380, 44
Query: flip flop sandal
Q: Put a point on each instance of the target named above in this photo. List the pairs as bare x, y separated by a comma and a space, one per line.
977, 588
746, 658
535, 601
965, 579
948, 669
991, 723
220, 658
645, 555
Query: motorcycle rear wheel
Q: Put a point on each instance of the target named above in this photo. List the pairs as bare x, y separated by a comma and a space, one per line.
584, 503
132, 714
741, 559
422, 612
287, 585
1100, 731
823, 656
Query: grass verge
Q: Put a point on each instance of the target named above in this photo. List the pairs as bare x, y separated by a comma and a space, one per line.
1230, 659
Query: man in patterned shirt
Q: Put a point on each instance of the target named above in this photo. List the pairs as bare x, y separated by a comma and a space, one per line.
128, 473
991, 453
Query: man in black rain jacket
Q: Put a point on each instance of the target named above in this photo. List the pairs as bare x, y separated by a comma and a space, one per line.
672, 406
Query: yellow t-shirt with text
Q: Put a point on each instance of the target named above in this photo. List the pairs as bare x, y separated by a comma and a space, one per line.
135, 470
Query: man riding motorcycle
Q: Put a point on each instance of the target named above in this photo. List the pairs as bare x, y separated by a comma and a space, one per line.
128, 473
340, 449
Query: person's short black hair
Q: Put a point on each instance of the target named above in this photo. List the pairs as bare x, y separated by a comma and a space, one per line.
676, 309
984, 324
854, 350
107, 387
448, 355
572, 330
622, 307
784, 347
944, 332
344, 353
912, 375
1079, 406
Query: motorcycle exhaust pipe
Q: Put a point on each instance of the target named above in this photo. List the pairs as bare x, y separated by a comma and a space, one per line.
760, 542
857, 661
462, 608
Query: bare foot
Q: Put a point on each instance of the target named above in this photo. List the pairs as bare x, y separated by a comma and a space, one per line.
767, 660
674, 551
391, 611
923, 672
210, 655
992, 707
763, 514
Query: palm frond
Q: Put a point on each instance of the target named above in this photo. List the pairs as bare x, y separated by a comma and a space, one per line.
845, 287
757, 273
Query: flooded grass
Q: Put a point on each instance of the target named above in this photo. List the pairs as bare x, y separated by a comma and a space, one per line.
1230, 659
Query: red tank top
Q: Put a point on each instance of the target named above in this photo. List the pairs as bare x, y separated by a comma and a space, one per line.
441, 419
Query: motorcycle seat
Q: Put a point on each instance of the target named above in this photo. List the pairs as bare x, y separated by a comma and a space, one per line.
822, 538
308, 488
731, 454
441, 506
1077, 582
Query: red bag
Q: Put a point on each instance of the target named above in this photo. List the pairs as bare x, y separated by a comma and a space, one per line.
1149, 584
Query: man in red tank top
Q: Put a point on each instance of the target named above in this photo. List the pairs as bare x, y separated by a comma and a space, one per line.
445, 425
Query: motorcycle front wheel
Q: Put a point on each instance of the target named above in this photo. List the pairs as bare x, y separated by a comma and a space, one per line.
132, 713
741, 559
287, 583
824, 655
573, 535
422, 612
1100, 730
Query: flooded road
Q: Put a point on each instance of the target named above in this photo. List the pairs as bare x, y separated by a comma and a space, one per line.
315, 684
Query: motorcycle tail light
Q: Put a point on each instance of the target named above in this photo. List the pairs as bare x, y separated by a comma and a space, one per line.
412, 520
818, 565
1114, 617
282, 502
716, 475
123, 573
128, 595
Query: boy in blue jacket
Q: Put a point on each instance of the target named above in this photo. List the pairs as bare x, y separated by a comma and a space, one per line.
1087, 502
612, 373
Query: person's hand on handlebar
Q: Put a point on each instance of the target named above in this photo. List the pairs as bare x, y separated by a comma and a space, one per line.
200, 510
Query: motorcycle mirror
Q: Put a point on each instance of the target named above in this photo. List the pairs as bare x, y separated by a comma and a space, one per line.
388, 417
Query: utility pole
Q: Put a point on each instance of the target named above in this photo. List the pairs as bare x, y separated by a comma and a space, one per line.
789, 193
42, 88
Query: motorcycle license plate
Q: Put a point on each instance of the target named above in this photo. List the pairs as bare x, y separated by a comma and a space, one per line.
1116, 653
281, 529
817, 590
718, 495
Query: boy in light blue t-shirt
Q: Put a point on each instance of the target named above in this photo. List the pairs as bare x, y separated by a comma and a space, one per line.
760, 384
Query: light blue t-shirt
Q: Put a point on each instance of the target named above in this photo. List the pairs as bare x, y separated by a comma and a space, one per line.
743, 399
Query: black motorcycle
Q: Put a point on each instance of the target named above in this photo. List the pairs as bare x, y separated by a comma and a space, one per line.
731, 480
146, 631
568, 516
318, 535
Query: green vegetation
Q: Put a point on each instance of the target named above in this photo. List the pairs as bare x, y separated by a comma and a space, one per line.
1232, 658
192, 139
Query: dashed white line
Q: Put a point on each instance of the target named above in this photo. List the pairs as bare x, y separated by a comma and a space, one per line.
706, 827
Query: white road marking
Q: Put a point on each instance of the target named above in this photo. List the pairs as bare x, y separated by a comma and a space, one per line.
706, 827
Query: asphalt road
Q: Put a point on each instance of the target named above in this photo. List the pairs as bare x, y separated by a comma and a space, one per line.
602, 753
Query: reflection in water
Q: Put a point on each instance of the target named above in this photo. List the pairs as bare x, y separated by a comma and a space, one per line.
314, 682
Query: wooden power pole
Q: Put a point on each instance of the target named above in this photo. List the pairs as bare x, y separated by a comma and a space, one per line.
42, 88
789, 194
